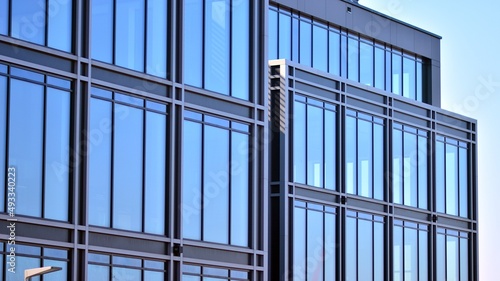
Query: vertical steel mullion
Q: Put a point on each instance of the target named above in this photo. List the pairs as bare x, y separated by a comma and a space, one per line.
202, 213
229, 5
113, 53
203, 49
46, 27
44, 143
112, 162
7, 134
143, 199
229, 203
323, 112
145, 56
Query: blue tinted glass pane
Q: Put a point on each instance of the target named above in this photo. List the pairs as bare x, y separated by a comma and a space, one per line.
351, 249
23, 263
127, 164
379, 68
273, 34
57, 155
56, 253
98, 272
156, 106
299, 142
305, 43
398, 253
366, 63
129, 49
126, 261
120, 273
350, 143
58, 82
314, 242
240, 50
422, 256
320, 48
411, 254
330, 245
25, 145
419, 82
365, 163
315, 146
191, 278
217, 31
99, 142
451, 180
410, 169
409, 77
28, 21
155, 180
193, 42
192, 170
285, 36
422, 172
101, 93
334, 53
156, 44
58, 275
4, 17
330, 150
98, 258
129, 99
365, 250
343, 55
396, 74
378, 162
299, 244
378, 251
239, 189
353, 59
19, 72
60, 25
216, 185
3, 126
452, 258
440, 177
154, 276
295, 39
464, 259
102, 30
397, 166
154, 264
441, 257
462, 162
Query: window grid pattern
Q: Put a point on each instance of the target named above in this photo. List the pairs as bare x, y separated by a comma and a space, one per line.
452, 255
111, 267
409, 166
127, 162
216, 179
204, 273
310, 42
35, 112
314, 142
410, 251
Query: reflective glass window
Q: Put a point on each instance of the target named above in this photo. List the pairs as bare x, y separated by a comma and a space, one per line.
299, 142
379, 68
320, 50
305, 43
129, 34
240, 50
60, 24
193, 42
315, 164
396, 74
295, 37
192, 171
240, 189
409, 77
452, 255
102, 30
273, 34
102, 267
285, 36
156, 36
343, 54
410, 251
353, 59
28, 21
334, 52
366, 61
419, 81
204, 273
440, 177
4, 17
463, 181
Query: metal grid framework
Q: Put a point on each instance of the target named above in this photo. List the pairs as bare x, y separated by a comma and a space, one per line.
286, 79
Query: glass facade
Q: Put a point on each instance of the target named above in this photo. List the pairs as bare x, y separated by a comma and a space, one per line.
452, 255
204, 273
344, 53
410, 251
106, 267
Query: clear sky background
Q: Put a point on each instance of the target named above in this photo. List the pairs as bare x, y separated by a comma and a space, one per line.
470, 85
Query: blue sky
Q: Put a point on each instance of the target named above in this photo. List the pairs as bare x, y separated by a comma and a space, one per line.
470, 85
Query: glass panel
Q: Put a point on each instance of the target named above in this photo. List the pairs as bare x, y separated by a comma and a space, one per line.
128, 164
59, 275
190, 278
366, 63
23, 263
60, 24
4, 17
378, 248
330, 245
57, 155
240, 50
299, 142
411, 254
126, 274
193, 43
155, 171
410, 169
441, 257
154, 276
102, 30
379, 68
299, 245
295, 39
419, 82
422, 172
216, 47
343, 55
31, 75
398, 253
3, 136
320, 44
216, 185
440, 177
451, 180
156, 44
378, 162
129, 45
409, 78
26, 145
365, 250
239, 189
351, 249
452, 263
305, 43
423, 257
330, 150
273, 34
353, 59
28, 22
192, 171
334, 53
463, 181
314, 146
396, 74
99, 142
464, 259
285, 36
314, 245
397, 166
351, 167
365, 158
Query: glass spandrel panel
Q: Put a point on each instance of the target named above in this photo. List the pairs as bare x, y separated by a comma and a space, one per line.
102, 30
285, 36
129, 34
315, 166
156, 38
320, 51
192, 171
128, 164
239, 189
193, 43
28, 21
26, 144
240, 50
60, 25
57, 147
